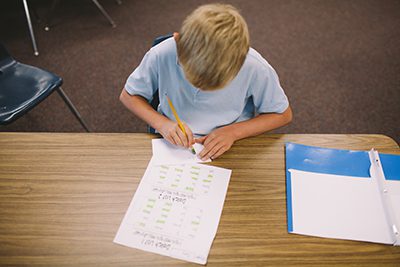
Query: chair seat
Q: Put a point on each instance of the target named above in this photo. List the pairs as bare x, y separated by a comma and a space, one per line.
22, 87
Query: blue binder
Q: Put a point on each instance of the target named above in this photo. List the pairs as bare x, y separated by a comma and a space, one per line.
335, 162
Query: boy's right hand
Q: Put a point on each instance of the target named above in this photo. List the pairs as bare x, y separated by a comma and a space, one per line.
170, 130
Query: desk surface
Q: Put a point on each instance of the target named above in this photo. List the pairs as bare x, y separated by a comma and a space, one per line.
63, 196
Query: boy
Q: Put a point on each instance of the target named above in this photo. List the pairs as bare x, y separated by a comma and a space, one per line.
221, 88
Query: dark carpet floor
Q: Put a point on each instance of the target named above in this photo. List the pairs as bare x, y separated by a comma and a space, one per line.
338, 61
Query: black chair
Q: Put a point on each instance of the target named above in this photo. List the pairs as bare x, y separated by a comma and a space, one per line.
156, 99
22, 87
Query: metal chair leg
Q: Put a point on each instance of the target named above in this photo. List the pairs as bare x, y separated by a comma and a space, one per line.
72, 108
28, 18
100, 7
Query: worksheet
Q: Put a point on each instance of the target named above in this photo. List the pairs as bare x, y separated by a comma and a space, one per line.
176, 210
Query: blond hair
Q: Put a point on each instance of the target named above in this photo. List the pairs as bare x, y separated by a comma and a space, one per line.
212, 45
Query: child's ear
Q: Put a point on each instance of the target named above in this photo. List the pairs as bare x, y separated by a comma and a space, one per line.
176, 36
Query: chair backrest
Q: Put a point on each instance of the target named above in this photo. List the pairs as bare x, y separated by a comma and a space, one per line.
162, 38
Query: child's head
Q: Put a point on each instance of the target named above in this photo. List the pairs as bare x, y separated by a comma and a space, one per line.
212, 45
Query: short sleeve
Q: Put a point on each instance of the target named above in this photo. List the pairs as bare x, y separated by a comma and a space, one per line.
144, 79
268, 95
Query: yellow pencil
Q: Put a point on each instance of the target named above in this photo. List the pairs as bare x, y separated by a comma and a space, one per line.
179, 121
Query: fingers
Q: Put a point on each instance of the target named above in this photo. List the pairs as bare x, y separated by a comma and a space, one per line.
172, 137
189, 134
176, 140
213, 148
215, 152
201, 139
221, 151
171, 133
174, 134
183, 140
206, 153
188, 139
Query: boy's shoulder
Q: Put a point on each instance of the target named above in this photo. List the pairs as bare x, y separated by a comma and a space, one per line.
165, 48
255, 61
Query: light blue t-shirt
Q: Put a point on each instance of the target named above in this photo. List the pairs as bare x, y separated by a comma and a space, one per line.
254, 90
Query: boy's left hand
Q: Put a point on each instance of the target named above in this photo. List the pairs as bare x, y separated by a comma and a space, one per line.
216, 143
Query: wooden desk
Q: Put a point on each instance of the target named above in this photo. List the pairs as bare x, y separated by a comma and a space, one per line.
63, 196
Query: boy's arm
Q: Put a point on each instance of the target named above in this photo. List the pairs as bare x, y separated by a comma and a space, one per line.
220, 140
167, 128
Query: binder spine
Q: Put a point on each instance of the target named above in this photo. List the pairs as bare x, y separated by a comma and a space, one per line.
376, 172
